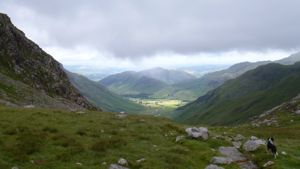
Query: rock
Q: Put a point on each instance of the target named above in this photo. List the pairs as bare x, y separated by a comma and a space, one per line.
116, 166
232, 153
140, 160
104, 163
122, 161
197, 133
253, 138
297, 112
267, 164
253, 144
221, 160
122, 115
247, 165
30, 106
237, 144
80, 112
179, 138
79, 164
283, 153
238, 137
14, 167
212, 166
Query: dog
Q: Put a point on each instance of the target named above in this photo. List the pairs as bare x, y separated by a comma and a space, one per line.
271, 147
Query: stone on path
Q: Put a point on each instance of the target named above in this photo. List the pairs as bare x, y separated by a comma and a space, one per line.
232, 153
221, 160
247, 165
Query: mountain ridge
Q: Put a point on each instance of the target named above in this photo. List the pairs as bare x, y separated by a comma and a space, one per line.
23, 60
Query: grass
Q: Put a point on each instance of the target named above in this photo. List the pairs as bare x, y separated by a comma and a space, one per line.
43, 138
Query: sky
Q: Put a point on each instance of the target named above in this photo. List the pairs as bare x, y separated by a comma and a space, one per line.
91, 36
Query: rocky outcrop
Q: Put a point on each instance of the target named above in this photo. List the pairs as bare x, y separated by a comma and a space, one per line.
23, 60
197, 133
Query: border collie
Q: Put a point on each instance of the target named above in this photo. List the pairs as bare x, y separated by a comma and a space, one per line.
271, 147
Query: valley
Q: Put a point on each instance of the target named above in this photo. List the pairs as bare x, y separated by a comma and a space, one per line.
210, 112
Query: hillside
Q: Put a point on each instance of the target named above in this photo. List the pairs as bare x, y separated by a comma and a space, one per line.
56, 139
190, 90
132, 84
249, 95
101, 97
22, 60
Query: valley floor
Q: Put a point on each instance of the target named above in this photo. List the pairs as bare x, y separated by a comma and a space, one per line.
42, 138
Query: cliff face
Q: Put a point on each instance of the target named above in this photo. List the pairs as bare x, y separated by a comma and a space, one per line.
23, 60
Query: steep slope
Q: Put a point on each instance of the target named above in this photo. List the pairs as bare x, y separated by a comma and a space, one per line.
167, 76
192, 89
132, 84
23, 60
249, 95
101, 97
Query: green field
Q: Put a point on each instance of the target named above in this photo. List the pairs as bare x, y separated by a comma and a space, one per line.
159, 103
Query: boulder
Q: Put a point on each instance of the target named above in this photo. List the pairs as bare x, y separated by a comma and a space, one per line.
116, 166
197, 133
253, 144
212, 166
221, 160
267, 164
297, 112
238, 137
247, 165
232, 153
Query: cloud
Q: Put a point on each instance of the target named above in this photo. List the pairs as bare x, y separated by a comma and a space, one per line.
133, 31
136, 28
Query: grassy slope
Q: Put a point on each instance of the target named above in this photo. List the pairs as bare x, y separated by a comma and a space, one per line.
247, 96
59, 139
101, 97
131, 83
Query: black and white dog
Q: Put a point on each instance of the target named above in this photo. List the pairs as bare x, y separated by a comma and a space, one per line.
271, 147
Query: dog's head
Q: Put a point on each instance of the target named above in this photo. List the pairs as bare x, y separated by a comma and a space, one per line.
271, 139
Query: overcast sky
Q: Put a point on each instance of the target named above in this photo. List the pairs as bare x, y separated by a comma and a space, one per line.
137, 34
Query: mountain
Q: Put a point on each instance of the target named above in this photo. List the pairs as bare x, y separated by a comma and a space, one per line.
102, 97
167, 76
132, 84
24, 62
249, 95
190, 90
289, 60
